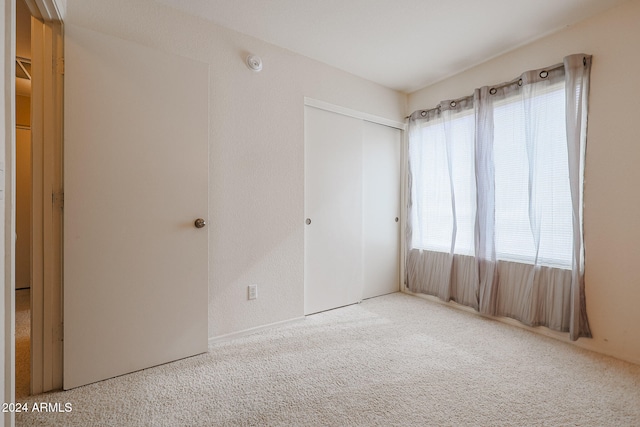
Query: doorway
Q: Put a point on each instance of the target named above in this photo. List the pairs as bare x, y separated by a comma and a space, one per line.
23, 200
38, 183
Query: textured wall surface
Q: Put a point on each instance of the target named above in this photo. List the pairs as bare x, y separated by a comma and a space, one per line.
256, 122
612, 199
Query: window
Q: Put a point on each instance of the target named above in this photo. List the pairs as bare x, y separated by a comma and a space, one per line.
529, 207
518, 148
433, 220
496, 198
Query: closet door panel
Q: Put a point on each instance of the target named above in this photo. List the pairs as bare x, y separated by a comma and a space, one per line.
333, 210
381, 207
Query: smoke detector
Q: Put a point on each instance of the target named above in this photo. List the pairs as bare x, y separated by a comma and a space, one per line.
254, 63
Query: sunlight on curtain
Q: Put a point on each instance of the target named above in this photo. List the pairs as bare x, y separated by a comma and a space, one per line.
443, 231
495, 209
533, 224
446, 168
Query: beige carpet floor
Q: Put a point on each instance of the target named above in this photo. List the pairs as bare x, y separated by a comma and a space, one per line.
395, 360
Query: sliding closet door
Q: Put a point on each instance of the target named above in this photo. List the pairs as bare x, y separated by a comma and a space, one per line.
333, 209
381, 209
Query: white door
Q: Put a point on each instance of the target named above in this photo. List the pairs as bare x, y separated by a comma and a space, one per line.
381, 209
136, 177
333, 209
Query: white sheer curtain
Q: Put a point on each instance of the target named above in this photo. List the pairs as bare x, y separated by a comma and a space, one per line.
577, 77
496, 198
442, 233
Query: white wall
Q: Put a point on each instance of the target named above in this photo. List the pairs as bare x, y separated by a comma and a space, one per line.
612, 197
256, 150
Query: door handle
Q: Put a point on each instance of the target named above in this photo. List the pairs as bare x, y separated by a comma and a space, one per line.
200, 223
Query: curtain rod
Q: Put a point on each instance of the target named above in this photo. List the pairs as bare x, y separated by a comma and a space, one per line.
543, 73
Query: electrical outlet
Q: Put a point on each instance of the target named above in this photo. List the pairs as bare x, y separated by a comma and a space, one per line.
253, 291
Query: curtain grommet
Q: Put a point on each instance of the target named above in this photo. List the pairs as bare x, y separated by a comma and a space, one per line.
520, 82
423, 113
493, 91
544, 74
453, 103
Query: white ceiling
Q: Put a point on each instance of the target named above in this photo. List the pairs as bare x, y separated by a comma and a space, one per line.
405, 45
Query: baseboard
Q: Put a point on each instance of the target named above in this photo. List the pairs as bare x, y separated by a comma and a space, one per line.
582, 343
234, 335
587, 345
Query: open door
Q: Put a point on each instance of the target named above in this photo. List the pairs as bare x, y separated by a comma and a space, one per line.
136, 179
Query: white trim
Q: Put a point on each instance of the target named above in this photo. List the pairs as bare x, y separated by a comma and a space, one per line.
7, 207
310, 102
46, 10
239, 334
404, 198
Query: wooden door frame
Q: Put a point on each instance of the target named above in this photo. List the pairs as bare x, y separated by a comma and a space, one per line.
50, 11
47, 195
